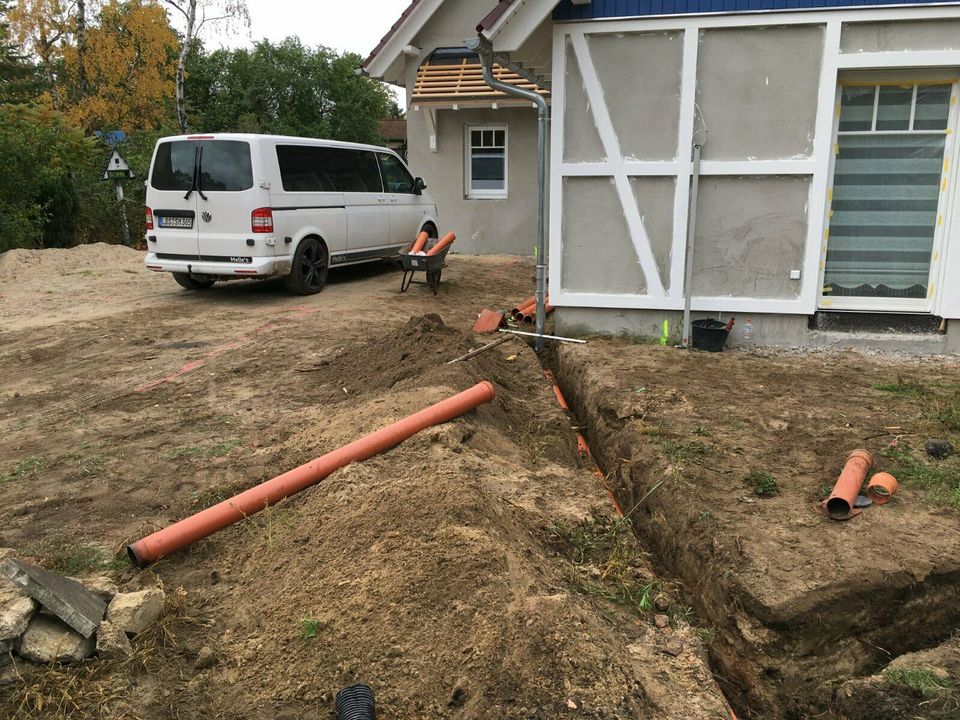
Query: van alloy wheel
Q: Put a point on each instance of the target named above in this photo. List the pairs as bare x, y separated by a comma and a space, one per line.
310, 266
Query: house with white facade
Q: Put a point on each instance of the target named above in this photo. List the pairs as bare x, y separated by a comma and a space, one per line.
817, 136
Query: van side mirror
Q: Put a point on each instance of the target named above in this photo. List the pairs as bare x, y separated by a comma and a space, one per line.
419, 186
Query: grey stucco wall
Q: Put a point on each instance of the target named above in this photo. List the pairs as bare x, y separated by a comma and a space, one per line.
502, 226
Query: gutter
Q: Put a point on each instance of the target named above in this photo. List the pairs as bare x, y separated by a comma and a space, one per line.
484, 49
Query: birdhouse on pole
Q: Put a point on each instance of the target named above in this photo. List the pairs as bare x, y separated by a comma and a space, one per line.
117, 168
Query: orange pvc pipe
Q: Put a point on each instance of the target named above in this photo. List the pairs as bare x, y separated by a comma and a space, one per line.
420, 242
845, 492
529, 301
881, 488
525, 309
207, 522
444, 242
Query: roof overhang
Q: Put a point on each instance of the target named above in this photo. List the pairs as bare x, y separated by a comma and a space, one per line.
512, 22
390, 48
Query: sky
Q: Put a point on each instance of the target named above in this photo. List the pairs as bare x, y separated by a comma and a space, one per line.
356, 26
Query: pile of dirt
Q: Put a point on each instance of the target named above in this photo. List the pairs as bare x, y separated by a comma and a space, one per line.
729, 454
20, 263
449, 573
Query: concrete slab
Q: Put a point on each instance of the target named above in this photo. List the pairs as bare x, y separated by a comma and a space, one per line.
65, 598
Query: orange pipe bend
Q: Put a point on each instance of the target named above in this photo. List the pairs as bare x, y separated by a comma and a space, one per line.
206, 522
420, 242
845, 492
444, 242
881, 488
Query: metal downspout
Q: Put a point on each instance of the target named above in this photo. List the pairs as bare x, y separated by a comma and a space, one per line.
484, 49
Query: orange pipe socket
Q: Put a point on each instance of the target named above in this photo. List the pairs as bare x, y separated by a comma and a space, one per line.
841, 501
525, 308
207, 522
420, 242
881, 488
444, 242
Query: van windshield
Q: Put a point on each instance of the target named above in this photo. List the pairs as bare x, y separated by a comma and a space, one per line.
224, 165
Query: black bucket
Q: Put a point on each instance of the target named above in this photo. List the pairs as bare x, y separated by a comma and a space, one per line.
709, 335
356, 703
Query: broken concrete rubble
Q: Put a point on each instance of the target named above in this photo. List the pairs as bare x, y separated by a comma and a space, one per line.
48, 639
65, 598
16, 609
135, 612
112, 642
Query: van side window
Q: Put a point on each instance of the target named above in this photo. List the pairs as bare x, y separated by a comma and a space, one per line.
307, 169
396, 179
357, 171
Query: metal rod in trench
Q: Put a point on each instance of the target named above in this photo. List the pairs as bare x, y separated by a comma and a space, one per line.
691, 241
541, 336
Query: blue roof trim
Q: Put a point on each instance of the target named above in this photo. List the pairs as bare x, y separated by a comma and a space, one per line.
566, 10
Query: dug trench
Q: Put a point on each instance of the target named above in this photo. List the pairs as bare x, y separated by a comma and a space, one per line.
811, 616
474, 571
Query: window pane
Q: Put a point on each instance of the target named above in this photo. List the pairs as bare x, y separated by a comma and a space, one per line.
885, 196
856, 111
395, 175
500, 138
488, 138
488, 170
476, 138
357, 171
893, 108
173, 167
305, 169
933, 107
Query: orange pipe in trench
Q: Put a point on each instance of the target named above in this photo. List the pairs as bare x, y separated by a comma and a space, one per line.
444, 242
420, 242
525, 309
845, 492
207, 522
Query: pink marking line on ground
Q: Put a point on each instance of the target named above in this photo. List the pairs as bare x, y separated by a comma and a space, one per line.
299, 311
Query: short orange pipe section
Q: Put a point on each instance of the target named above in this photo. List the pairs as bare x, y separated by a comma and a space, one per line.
881, 488
841, 501
525, 309
520, 306
420, 242
207, 522
444, 243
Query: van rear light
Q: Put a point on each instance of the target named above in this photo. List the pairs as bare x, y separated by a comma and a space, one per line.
261, 220
149, 219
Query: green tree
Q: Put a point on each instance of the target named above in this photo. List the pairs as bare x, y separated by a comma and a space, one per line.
285, 89
19, 79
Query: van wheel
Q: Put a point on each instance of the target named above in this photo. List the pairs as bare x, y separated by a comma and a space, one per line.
191, 283
310, 266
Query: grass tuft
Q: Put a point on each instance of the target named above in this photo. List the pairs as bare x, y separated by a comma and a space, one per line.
763, 484
905, 387
24, 469
939, 480
923, 681
608, 544
310, 628
69, 557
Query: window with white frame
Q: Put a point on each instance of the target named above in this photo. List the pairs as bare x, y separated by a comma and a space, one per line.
486, 161
887, 189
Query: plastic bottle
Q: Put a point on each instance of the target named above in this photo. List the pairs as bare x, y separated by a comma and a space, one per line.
748, 329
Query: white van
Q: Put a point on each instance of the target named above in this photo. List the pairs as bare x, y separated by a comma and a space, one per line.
230, 206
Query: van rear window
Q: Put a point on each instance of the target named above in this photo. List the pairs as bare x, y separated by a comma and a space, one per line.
224, 165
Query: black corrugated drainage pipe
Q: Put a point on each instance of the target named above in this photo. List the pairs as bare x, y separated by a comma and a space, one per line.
484, 49
356, 703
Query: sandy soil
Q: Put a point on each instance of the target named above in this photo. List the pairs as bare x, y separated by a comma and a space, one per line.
464, 574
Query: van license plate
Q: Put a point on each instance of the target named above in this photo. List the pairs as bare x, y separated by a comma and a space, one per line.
176, 222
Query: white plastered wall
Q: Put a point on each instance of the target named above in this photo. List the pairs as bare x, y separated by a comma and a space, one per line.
629, 98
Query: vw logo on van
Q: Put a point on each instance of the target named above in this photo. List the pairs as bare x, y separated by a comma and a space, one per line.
207, 217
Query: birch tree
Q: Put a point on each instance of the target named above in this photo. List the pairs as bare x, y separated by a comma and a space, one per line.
195, 14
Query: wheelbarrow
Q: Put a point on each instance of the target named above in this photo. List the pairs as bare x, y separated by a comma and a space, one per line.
432, 265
